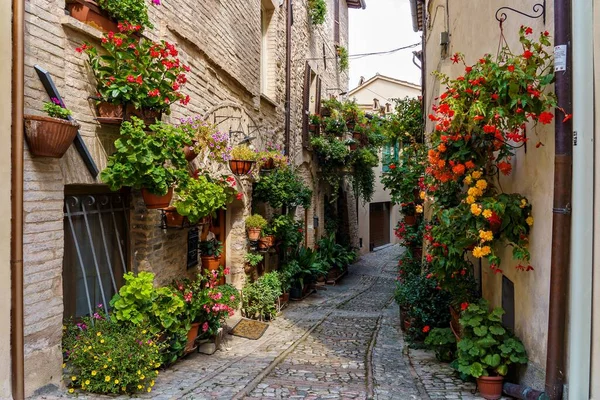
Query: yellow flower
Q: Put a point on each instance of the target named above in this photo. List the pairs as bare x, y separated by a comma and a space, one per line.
481, 184
139, 372
140, 386
487, 213
419, 209
468, 180
64, 365
105, 366
87, 382
94, 373
144, 331
71, 390
116, 381
64, 327
476, 174
156, 372
89, 347
475, 209
73, 378
523, 203
142, 377
156, 365
99, 334
102, 341
470, 200
486, 236
477, 252
107, 378
152, 383
485, 250
149, 390
529, 220
422, 195
472, 191
109, 360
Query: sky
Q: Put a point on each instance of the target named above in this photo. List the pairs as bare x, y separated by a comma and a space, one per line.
384, 25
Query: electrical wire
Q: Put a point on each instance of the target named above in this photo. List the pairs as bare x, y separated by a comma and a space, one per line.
378, 53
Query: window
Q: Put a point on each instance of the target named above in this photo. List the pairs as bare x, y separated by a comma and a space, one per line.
336, 21
312, 101
389, 155
95, 254
265, 59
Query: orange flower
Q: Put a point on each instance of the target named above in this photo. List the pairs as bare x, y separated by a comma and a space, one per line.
458, 169
441, 163
505, 167
470, 164
442, 148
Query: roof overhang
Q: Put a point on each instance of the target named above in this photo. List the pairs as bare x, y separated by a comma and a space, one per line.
416, 11
356, 4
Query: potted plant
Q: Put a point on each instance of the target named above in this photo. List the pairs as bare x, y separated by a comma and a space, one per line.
317, 10
50, 136
342, 55
259, 298
136, 77
314, 123
242, 159
443, 342
487, 349
351, 114
152, 162
283, 187
200, 197
252, 260
205, 140
90, 13
210, 251
254, 225
271, 158
267, 240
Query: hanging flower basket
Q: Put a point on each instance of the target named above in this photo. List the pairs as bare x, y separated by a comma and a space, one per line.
266, 242
174, 219
190, 151
90, 13
109, 114
268, 164
49, 137
241, 167
154, 201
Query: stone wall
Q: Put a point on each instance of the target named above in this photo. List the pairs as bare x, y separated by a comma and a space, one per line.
221, 41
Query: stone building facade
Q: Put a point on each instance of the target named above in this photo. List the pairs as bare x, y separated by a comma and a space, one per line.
236, 51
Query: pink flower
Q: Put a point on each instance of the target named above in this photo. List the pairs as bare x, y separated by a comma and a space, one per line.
204, 325
239, 196
226, 271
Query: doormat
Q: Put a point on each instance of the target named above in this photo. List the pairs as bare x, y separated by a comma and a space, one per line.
249, 329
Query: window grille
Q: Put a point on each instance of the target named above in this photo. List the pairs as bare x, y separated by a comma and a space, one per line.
96, 237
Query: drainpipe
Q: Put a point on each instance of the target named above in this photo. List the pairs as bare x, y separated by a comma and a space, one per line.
288, 76
561, 221
580, 302
16, 226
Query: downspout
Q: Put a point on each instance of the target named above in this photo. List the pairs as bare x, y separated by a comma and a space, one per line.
580, 302
561, 221
16, 225
288, 77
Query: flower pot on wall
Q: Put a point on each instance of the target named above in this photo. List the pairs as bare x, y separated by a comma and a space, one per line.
190, 151
174, 219
154, 201
490, 387
49, 137
254, 234
240, 167
110, 114
89, 13
149, 116
191, 337
266, 242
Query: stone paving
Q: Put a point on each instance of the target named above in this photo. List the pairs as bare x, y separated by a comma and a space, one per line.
342, 342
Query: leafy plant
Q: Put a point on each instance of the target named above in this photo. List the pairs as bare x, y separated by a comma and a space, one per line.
363, 176
343, 63
199, 197
486, 347
306, 267
144, 73
253, 259
211, 248
317, 9
406, 125
205, 139
259, 298
333, 255
243, 152
104, 356
256, 221
55, 109
132, 11
283, 187
152, 161
288, 231
443, 342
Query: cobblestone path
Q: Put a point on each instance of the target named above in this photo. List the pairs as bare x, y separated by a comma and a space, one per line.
340, 343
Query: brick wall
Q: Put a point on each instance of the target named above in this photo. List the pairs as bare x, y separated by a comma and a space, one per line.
221, 41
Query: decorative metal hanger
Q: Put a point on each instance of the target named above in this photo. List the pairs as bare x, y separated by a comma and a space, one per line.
539, 10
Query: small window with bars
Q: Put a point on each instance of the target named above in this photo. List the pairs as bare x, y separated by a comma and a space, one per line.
96, 251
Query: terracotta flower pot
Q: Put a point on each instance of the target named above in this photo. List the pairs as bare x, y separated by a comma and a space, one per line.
410, 220
190, 151
254, 234
89, 13
154, 201
49, 137
269, 164
212, 264
174, 219
149, 116
240, 167
312, 128
490, 387
266, 242
191, 337
110, 114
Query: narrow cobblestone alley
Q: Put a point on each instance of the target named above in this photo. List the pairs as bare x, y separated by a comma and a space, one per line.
342, 342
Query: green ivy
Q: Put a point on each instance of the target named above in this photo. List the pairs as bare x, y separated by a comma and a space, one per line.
283, 187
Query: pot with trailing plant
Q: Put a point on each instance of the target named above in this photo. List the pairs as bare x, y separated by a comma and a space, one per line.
102, 14
50, 136
351, 113
151, 162
314, 122
242, 159
254, 225
135, 77
271, 158
487, 350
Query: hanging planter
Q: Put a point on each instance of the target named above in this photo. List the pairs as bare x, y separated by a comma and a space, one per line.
49, 137
174, 219
490, 387
269, 164
90, 13
240, 167
148, 115
266, 242
109, 113
190, 151
254, 234
154, 201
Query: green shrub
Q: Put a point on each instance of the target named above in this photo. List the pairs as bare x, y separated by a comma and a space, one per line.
253, 258
256, 221
259, 298
133, 11
443, 342
283, 187
243, 152
200, 197
317, 9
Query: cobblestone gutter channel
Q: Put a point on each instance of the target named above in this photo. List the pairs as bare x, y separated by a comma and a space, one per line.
341, 343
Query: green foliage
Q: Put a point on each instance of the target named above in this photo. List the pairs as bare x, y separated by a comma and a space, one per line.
55, 109
200, 197
256, 221
343, 63
253, 258
283, 187
402, 179
133, 11
317, 9
363, 176
289, 231
211, 248
287, 274
486, 347
243, 152
144, 73
259, 298
333, 255
406, 125
103, 356
443, 342
152, 161
231, 296
306, 267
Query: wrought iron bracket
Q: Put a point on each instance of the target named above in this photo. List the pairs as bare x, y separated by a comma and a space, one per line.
539, 10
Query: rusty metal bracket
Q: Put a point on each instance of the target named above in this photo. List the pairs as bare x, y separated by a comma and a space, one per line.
539, 10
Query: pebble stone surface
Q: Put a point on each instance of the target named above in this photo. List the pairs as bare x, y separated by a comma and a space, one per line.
340, 343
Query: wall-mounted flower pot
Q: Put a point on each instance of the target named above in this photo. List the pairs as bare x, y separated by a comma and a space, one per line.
148, 115
110, 114
240, 167
254, 234
312, 128
174, 219
268, 164
154, 201
266, 242
410, 220
90, 13
211, 263
49, 137
490, 387
191, 338
190, 151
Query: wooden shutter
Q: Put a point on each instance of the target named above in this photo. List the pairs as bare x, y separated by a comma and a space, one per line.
336, 21
318, 102
306, 106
